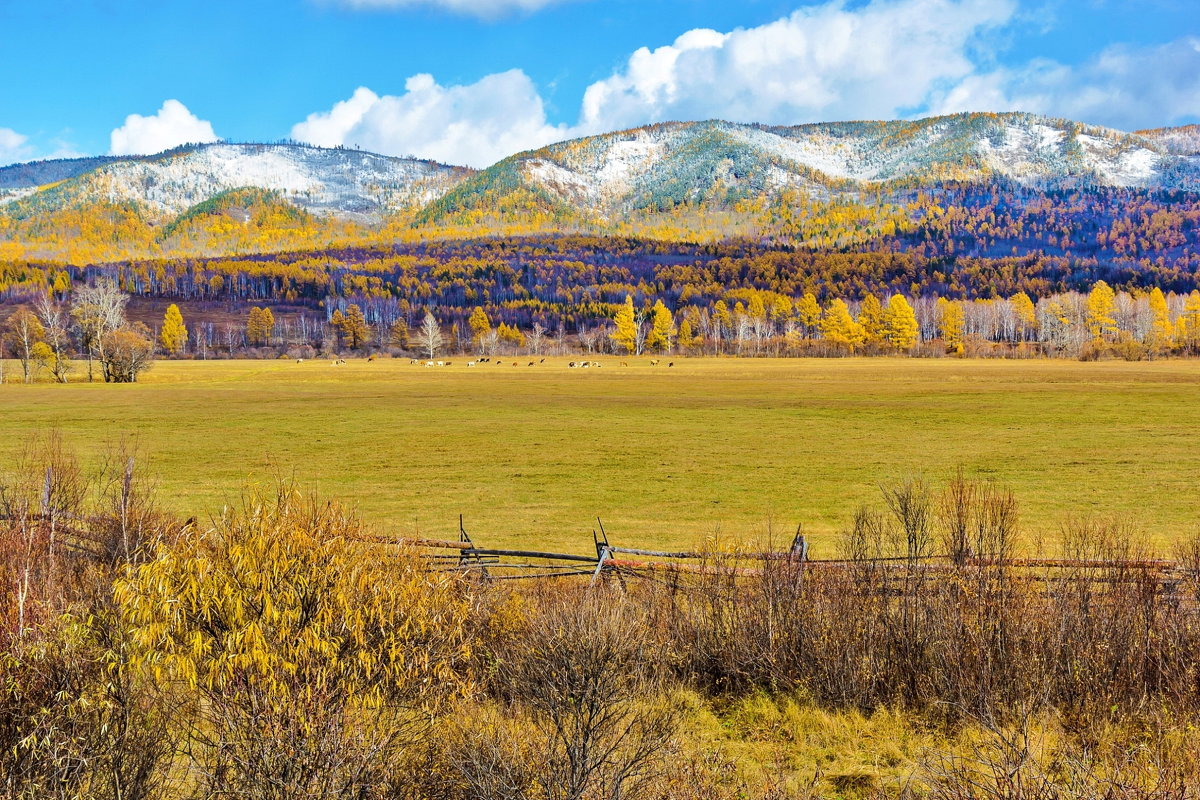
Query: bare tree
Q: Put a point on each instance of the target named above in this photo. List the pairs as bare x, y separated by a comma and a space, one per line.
489, 342
640, 331
55, 320
585, 669
23, 333
587, 338
430, 334
98, 311
537, 337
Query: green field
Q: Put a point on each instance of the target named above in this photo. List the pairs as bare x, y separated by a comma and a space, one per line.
665, 456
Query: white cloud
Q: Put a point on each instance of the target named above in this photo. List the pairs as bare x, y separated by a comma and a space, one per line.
14, 147
476, 124
485, 9
1123, 87
828, 62
172, 126
821, 62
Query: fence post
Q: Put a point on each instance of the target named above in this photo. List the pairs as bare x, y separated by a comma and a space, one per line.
603, 551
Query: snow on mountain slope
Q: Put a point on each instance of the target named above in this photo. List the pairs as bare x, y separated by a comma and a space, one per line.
662, 165
319, 180
1183, 141
650, 168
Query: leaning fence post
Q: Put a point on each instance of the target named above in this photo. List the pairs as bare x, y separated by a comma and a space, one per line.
605, 552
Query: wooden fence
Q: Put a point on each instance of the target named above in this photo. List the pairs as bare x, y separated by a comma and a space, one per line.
610, 560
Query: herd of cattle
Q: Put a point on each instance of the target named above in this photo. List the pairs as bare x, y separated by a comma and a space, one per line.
654, 362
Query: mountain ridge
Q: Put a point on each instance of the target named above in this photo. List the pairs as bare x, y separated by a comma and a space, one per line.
604, 181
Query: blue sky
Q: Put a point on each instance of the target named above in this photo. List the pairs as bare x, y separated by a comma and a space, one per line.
469, 81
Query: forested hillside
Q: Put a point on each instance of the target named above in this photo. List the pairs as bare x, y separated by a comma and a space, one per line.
732, 229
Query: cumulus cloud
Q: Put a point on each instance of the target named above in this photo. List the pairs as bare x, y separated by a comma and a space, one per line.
485, 9
476, 124
1122, 87
172, 126
883, 60
14, 147
819, 63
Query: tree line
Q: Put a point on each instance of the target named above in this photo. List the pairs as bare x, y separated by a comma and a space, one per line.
48, 337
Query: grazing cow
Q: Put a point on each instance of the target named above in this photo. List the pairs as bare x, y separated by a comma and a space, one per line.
515, 364
671, 364
530, 364
571, 365
470, 363
654, 362
441, 363
298, 360
370, 359
624, 363
543, 361
429, 363
412, 361
448, 363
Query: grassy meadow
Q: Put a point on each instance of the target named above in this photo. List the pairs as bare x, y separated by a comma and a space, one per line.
665, 456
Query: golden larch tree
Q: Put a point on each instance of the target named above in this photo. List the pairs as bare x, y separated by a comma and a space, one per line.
479, 324
901, 323
662, 328
839, 327
174, 334
871, 318
952, 325
1101, 303
625, 326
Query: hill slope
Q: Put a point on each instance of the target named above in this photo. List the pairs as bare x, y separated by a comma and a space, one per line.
323, 181
661, 166
835, 184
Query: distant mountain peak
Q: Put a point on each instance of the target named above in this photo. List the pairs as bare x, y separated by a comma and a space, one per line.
608, 178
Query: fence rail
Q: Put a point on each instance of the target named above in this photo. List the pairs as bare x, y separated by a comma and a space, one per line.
466, 557
79, 536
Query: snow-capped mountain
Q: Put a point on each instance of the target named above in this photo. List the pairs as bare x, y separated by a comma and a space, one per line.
645, 169
325, 181
663, 165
